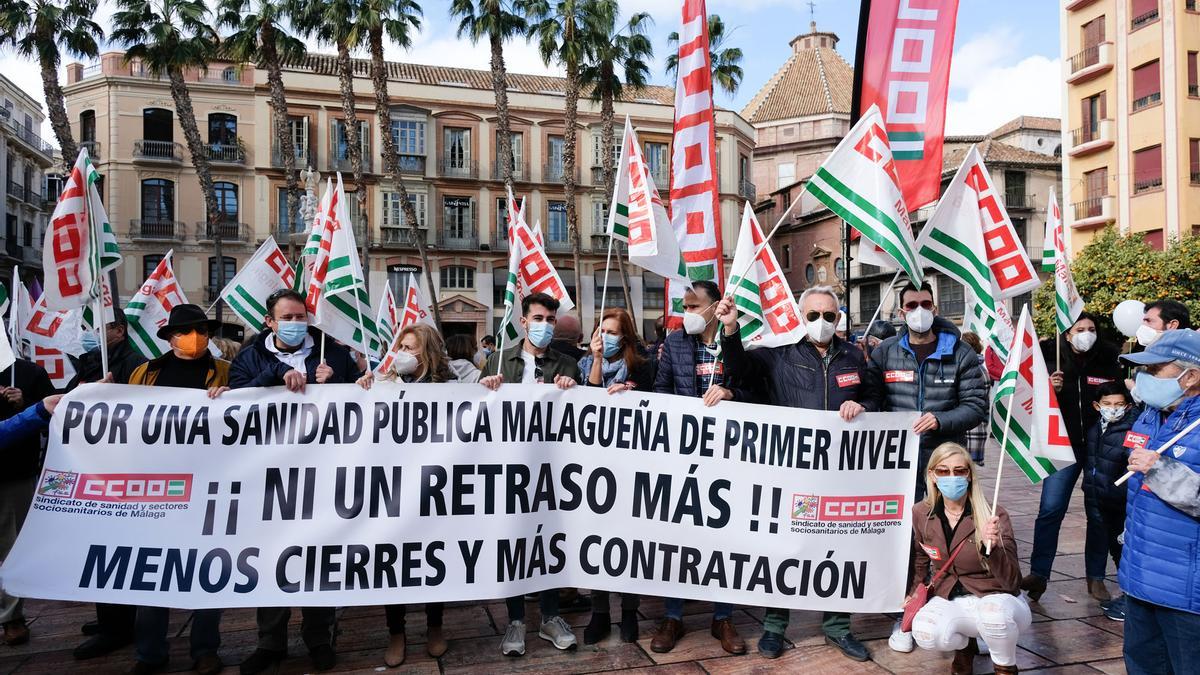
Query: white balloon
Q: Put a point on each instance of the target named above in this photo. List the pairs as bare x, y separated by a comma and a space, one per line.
1128, 316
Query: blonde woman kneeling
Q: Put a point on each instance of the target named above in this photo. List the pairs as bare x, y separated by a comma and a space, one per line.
979, 596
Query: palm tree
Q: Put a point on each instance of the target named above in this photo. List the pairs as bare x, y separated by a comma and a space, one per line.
260, 36
496, 20
396, 19
726, 68
564, 31
168, 36
618, 49
42, 29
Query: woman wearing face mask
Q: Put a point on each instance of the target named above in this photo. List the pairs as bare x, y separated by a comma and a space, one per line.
1086, 363
974, 592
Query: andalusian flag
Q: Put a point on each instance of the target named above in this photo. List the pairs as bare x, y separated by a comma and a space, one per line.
267, 271
1037, 437
79, 245
858, 182
767, 313
387, 319
1068, 305
529, 271
638, 217
337, 290
150, 308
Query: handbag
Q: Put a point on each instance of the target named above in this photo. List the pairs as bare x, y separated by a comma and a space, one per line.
921, 594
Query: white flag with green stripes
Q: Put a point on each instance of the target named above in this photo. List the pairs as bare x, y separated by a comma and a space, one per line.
387, 318
246, 294
150, 308
767, 311
1068, 304
638, 217
859, 183
3, 299
1037, 437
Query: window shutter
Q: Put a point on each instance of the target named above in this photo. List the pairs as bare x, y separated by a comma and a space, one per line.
1142, 7
1191, 69
1145, 80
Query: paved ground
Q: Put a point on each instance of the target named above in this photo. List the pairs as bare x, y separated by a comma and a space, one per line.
1069, 635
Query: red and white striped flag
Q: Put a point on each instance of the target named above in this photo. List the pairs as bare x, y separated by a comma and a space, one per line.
79, 245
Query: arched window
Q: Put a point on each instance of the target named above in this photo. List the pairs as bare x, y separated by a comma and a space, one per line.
222, 129
227, 201
158, 200
810, 273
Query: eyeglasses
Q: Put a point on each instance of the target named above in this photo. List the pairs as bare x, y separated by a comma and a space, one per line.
913, 304
828, 316
942, 471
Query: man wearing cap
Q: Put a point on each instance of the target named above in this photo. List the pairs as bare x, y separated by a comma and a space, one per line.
189, 365
1159, 571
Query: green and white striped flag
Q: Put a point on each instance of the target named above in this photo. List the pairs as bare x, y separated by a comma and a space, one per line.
529, 271
858, 182
150, 308
387, 319
767, 312
638, 217
337, 290
1037, 437
1068, 304
267, 271
992, 324
79, 245
3, 299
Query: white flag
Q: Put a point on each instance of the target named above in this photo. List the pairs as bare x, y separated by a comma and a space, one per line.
638, 217
267, 271
150, 307
767, 311
79, 244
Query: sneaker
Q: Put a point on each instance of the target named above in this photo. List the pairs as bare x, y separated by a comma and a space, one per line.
514, 639
900, 641
557, 632
1115, 609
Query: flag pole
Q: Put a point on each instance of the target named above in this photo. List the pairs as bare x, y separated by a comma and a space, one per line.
1003, 452
764, 243
604, 291
14, 304
878, 310
100, 327
1186, 430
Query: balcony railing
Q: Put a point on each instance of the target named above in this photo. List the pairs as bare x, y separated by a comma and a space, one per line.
34, 198
555, 172
93, 148
455, 167
231, 232
598, 175
600, 241
747, 190
1089, 208
520, 172
31, 139
16, 190
337, 163
1194, 90
1090, 56
225, 153
499, 240
1017, 201
1147, 184
164, 151
1195, 177
1089, 139
302, 159
163, 230
1143, 19
559, 246
458, 241
1092, 61
399, 237
411, 163
13, 248
1145, 101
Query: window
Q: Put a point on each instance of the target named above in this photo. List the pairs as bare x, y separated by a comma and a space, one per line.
456, 218
230, 271
1022, 229
28, 239
158, 125
458, 276
1194, 159
554, 158
409, 137
230, 74
400, 277
341, 147
1147, 169
659, 163
743, 167
1093, 109
227, 201
950, 299
598, 152
1097, 183
810, 274
54, 187
296, 225
87, 126
556, 220
1021, 300
600, 219
1154, 239
457, 147
158, 200
654, 293
785, 257
501, 218
786, 174
1146, 89
868, 300
393, 209
222, 129
150, 263
1014, 189
839, 268
518, 153
1193, 86
298, 128
1093, 33
615, 295
1142, 12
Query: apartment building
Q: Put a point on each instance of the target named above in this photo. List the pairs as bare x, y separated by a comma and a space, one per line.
1132, 118
444, 123
26, 159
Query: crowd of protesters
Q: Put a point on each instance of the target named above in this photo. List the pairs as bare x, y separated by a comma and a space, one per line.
964, 560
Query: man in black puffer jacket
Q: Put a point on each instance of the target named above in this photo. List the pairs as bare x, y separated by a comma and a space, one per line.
927, 368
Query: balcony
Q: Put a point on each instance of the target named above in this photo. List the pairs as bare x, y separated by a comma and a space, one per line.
1196, 178
157, 151
1087, 140
93, 148
1092, 213
1091, 62
1147, 184
600, 241
1143, 19
1018, 202
16, 190
746, 190
302, 158
343, 164
224, 153
13, 248
1146, 101
598, 175
158, 230
520, 173
1194, 90
462, 241
35, 199
229, 231
414, 164
556, 172
285, 235
399, 237
1073, 5
32, 141
457, 167
499, 240
559, 246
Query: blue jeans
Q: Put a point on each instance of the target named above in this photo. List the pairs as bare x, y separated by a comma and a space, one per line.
151, 633
1160, 640
547, 602
674, 607
1056, 496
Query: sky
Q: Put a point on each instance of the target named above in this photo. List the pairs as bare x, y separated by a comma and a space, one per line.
1005, 63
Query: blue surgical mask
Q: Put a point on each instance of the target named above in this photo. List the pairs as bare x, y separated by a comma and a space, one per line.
291, 333
612, 345
539, 333
89, 341
1158, 392
953, 487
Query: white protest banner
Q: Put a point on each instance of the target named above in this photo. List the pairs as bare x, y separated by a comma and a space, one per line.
449, 492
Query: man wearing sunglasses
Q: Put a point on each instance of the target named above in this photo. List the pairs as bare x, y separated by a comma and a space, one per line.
821, 372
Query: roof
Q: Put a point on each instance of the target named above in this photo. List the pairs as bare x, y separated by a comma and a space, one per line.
1028, 122
326, 64
993, 152
812, 81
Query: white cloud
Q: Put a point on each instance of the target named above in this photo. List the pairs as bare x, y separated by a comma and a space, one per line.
990, 85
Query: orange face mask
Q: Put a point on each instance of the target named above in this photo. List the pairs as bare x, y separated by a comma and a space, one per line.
191, 344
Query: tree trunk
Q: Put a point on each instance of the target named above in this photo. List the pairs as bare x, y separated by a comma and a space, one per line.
284, 141
569, 137
353, 147
500, 87
59, 122
606, 141
391, 162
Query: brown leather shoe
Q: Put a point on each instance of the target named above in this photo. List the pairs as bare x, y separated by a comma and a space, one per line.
16, 633
964, 659
394, 654
1005, 670
435, 641
1034, 586
208, 664
725, 631
669, 632
1098, 590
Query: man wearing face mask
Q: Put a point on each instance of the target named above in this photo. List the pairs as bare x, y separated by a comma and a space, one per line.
821, 372
190, 365
1159, 317
288, 353
1158, 570
1087, 362
122, 357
